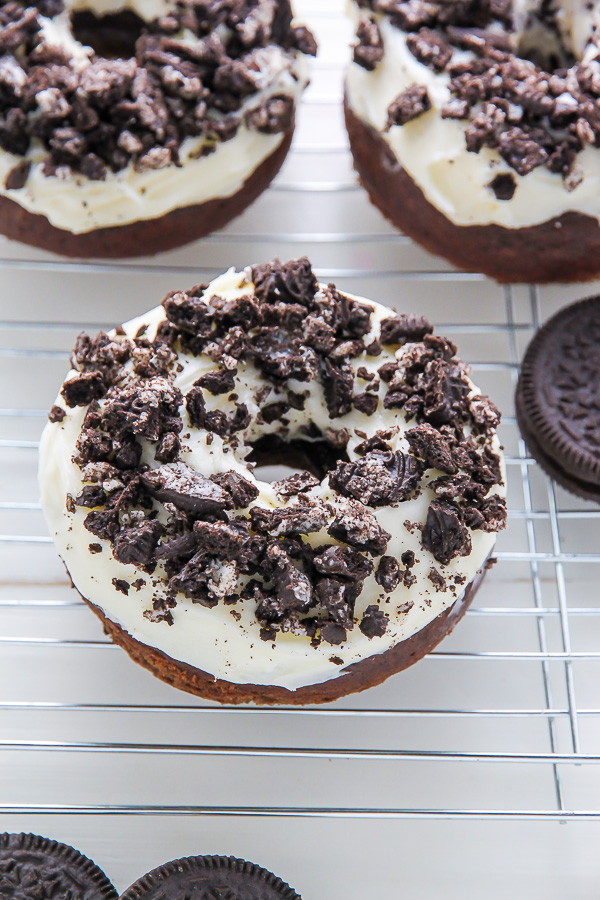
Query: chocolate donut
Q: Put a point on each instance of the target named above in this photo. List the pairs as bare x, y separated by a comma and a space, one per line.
475, 128
112, 157
303, 590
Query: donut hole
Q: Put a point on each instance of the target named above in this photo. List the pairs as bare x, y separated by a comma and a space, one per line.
544, 49
545, 38
275, 458
112, 36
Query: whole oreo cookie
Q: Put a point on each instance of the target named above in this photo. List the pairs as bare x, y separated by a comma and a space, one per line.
210, 878
36, 868
557, 399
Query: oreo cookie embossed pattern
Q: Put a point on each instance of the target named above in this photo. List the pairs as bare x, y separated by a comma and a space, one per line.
558, 398
210, 878
36, 868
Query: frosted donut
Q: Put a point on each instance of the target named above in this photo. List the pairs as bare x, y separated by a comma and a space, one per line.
103, 156
475, 128
308, 588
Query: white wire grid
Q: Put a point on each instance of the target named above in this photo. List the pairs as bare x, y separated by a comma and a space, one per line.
502, 721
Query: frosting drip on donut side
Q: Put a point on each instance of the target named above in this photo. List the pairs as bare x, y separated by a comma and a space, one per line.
168, 531
92, 143
410, 96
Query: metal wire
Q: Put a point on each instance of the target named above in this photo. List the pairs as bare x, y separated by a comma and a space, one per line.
540, 559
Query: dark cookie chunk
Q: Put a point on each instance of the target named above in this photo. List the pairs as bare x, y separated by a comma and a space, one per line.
503, 185
389, 573
36, 868
220, 382
374, 623
82, 389
366, 403
280, 355
401, 328
241, 491
273, 116
188, 312
378, 441
18, 175
338, 384
342, 562
296, 519
292, 282
432, 446
168, 448
356, 525
295, 484
121, 585
147, 408
444, 533
380, 478
337, 600
226, 541
187, 489
557, 398
408, 105
135, 546
56, 414
333, 633
368, 53
215, 420
293, 588
430, 49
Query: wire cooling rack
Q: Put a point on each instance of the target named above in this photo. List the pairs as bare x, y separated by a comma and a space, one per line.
501, 723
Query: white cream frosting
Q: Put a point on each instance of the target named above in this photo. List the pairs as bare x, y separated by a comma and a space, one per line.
433, 152
212, 639
75, 203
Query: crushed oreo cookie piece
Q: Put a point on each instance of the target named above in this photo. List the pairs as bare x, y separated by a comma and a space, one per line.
374, 622
429, 444
295, 519
56, 414
444, 533
357, 526
83, 388
241, 491
389, 573
379, 478
295, 484
401, 328
342, 562
503, 185
291, 282
186, 488
411, 103
368, 52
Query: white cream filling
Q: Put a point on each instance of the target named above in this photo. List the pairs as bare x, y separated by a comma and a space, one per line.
433, 152
212, 639
75, 203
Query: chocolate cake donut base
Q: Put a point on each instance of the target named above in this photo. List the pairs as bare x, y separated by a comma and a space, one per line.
354, 678
563, 249
148, 236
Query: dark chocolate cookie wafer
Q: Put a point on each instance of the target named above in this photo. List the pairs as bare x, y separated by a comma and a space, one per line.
210, 878
558, 398
36, 868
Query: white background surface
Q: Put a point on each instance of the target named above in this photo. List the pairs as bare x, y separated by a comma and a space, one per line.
470, 730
